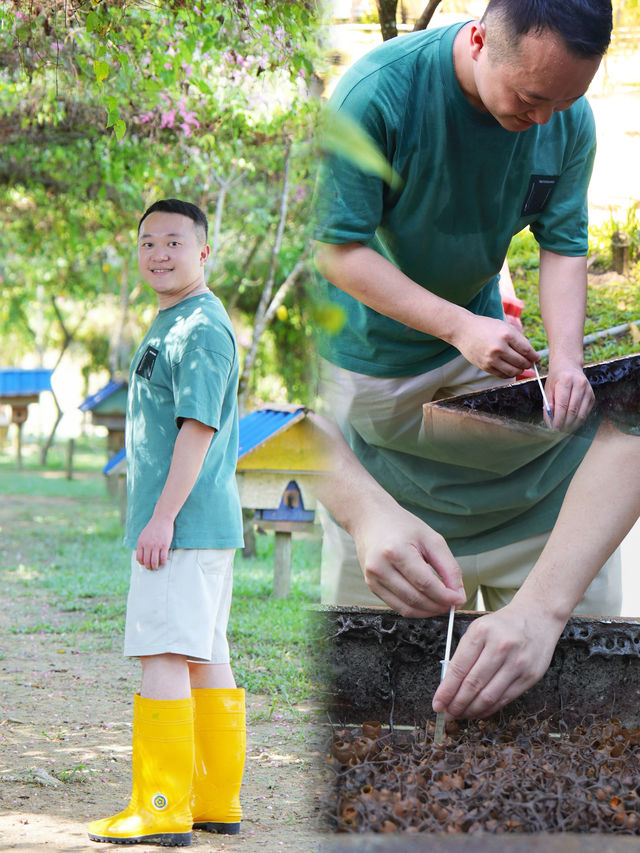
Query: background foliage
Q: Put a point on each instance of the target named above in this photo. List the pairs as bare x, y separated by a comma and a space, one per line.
107, 107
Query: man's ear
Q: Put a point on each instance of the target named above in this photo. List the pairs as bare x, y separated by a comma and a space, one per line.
477, 39
204, 254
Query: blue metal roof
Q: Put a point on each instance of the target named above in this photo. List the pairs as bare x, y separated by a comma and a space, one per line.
256, 427
15, 382
91, 402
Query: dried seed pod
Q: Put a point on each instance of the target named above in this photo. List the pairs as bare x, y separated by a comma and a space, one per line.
363, 747
350, 816
342, 750
403, 808
372, 729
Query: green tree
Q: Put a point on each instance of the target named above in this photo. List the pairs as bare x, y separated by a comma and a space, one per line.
108, 107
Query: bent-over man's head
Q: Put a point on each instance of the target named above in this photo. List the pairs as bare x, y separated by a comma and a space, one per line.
525, 60
583, 25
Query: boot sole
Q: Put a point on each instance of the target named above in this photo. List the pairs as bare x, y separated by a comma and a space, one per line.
163, 839
220, 828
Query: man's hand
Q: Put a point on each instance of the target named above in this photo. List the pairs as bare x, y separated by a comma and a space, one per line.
154, 543
570, 395
407, 564
493, 345
497, 659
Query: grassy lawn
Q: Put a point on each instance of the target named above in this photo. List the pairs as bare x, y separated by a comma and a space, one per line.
61, 548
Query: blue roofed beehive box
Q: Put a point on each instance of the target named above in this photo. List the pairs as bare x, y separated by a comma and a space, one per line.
20, 387
278, 443
108, 407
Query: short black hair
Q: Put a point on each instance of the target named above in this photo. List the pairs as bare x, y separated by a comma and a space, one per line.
176, 205
584, 25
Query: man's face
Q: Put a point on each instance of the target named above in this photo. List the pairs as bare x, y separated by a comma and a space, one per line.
526, 88
171, 256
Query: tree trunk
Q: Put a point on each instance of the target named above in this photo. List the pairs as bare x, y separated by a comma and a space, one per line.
387, 17
427, 13
117, 360
224, 184
67, 338
260, 320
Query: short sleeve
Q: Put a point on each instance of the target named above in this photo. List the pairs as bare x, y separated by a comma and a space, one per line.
563, 226
200, 381
348, 199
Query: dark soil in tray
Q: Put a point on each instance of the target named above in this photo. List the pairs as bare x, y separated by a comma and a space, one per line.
523, 775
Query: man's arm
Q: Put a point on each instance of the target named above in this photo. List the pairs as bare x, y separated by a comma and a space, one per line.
405, 563
504, 653
189, 451
490, 344
563, 300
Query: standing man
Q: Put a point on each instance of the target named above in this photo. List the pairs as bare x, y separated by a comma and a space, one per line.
487, 127
184, 523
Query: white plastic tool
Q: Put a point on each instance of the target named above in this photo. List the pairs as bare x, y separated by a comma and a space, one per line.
547, 407
438, 736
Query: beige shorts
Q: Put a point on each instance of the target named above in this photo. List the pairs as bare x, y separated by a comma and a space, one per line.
497, 574
183, 607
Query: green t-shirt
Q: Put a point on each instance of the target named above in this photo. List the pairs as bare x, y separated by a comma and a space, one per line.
185, 367
468, 186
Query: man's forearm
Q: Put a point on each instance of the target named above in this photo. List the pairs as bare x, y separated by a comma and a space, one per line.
563, 293
190, 449
599, 508
563, 300
373, 280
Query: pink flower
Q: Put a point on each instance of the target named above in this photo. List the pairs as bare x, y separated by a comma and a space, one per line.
167, 118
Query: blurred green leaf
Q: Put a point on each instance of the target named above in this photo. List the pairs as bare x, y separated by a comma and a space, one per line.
343, 136
101, 70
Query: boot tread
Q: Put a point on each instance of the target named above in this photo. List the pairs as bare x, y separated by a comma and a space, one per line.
164, 839
220, 828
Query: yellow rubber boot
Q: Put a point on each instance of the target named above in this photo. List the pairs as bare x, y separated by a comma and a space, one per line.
158, 812
220, 738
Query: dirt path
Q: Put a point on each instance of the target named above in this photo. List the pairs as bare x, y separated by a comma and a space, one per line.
65, 737
58, 721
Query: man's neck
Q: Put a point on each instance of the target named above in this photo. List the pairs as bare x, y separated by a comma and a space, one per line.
166, 300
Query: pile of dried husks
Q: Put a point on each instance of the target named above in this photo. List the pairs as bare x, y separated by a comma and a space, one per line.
524, 775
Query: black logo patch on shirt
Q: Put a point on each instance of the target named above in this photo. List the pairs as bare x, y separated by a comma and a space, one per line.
538, 193
147, 362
